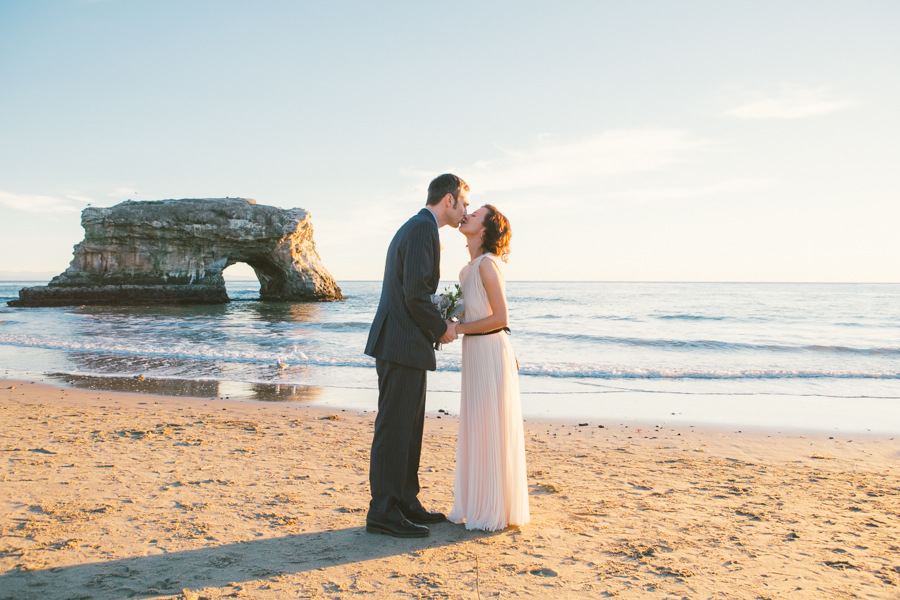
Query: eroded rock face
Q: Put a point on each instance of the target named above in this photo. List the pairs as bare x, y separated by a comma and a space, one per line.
174, 252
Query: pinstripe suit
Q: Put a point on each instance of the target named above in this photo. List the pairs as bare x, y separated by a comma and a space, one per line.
402, 340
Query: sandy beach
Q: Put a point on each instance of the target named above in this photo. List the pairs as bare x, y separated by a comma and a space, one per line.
117, 495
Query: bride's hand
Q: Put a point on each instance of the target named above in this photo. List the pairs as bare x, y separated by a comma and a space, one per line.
449, 335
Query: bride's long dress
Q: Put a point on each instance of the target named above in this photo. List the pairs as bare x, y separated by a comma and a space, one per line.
490, 489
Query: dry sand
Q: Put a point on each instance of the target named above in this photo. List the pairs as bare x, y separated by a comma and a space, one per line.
113, 495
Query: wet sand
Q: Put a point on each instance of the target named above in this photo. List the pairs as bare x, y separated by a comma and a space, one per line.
117, 495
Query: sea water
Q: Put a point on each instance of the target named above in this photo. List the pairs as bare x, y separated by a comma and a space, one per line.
823, 356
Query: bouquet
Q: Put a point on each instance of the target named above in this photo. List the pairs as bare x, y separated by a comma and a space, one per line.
450, 304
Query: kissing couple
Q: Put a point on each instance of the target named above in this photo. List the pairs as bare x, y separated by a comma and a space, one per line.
490, 489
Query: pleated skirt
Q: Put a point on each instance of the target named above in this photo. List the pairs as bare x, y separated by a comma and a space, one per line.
490, 488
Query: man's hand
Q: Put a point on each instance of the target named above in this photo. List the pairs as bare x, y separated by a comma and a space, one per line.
450, 334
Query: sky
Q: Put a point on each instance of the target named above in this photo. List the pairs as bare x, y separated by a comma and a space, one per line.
625, 141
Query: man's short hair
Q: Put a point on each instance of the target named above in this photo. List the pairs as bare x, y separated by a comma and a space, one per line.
445, 184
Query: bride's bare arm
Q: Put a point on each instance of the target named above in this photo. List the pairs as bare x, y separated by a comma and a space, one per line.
490, 278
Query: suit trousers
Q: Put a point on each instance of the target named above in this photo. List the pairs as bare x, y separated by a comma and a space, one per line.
397, 440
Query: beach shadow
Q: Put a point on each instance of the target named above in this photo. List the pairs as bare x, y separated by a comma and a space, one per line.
217, 566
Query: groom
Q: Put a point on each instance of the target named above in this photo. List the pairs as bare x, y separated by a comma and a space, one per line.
402, 338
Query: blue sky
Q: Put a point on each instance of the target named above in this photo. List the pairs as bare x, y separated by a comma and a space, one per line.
661, 141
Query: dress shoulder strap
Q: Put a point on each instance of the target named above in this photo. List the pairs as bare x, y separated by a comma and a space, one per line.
495, 259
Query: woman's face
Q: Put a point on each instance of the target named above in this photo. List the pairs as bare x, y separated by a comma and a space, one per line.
473, 224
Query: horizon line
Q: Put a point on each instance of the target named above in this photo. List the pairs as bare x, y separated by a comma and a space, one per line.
2, 280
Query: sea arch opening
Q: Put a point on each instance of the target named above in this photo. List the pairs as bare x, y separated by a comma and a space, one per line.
241, 282
271, 276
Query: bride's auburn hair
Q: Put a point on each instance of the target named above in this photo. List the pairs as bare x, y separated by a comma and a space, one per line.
497, 233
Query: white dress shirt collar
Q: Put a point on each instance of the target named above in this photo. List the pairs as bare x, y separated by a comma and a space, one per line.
436, 222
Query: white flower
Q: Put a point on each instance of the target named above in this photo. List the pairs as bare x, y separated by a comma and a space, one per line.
458, 310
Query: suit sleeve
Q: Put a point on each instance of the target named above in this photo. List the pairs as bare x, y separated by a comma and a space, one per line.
416, 291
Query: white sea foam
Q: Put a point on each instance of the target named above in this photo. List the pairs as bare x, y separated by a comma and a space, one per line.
676, 344
612, 372
130, 350
752, 336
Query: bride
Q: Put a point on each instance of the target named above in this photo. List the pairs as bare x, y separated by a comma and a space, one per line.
490, 489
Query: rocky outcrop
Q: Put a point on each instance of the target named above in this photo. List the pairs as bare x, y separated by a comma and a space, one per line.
174, 252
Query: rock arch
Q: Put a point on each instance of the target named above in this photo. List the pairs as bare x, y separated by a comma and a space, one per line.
174, 252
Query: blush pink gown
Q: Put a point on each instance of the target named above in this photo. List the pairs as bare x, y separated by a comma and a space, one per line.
490, 489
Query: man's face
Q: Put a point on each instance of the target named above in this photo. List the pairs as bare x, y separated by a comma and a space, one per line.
458, 212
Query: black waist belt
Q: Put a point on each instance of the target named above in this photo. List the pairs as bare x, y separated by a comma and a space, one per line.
506, 329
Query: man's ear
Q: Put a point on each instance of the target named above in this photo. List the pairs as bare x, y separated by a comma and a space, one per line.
447, 200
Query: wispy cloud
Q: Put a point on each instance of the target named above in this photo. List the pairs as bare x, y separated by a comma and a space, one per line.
785, 101
42, 204
76, 197
636, 165
555, 162
551, 161
680, 192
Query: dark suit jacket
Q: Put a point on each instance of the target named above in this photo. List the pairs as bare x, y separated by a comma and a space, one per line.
407, 324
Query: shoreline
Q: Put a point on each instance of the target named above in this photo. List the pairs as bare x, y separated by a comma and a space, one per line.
770, 413
745, 441
119, 494
309, 397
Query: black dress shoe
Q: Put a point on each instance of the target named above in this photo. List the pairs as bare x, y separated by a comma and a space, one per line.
400, 529
422, 517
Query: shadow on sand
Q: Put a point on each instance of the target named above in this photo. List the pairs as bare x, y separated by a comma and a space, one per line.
217, 566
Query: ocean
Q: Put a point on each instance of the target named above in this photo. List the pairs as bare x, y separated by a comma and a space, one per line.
754, 355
